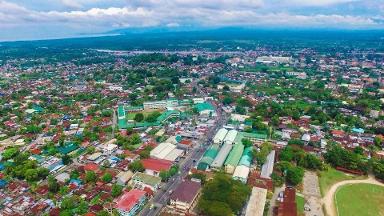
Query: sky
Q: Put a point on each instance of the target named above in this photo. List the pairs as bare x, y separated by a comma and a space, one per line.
42, 19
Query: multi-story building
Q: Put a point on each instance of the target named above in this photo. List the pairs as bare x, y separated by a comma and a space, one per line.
130, 203
184, 198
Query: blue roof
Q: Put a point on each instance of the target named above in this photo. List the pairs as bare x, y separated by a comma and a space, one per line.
3, 183
1, 166
75, 181
358, 130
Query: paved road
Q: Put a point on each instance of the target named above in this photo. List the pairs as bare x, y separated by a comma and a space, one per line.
312, 194
114, 123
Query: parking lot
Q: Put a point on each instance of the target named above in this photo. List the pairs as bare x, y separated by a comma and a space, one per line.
312, 195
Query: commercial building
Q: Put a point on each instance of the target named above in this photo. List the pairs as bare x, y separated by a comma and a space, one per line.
184, 198
205, 109
142, 181
246, 158
155, 166
256, 202
166, 151
163, 104
131, 202
234, 158
273, 59
221, 156
241, 173
220, 135
208, 157
230, 137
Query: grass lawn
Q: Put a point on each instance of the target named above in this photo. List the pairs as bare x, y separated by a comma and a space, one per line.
329, 177
300, 201
131, 116
360, 200
260, 68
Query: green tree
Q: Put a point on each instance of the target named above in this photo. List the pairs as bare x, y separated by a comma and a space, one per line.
90, 176
139, 117
136, 166
53, 186
31, 175
223, 196
107, 177
116, 190
312, 162
10, 153
246, 142
294, 175
261, 155
66, 159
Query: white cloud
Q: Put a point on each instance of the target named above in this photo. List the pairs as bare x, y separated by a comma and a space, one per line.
175, 13
317, 3
72, 3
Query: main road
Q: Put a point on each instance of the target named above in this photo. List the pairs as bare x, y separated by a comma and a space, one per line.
162, 196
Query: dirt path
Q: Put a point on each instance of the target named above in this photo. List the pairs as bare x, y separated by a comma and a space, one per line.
328, 199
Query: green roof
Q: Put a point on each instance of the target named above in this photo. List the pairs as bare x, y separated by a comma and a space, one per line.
246, 158
202, 166
147, 179
254, 135
121, 110
204, 106
37, 108
69, 147
210, 154
165, 115
235, 155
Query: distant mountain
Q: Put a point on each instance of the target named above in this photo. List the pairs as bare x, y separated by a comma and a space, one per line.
211, 39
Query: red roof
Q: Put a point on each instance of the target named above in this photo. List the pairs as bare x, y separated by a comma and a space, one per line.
186, 142
91, 167
129, 199
337, 132
36, 151
156, 164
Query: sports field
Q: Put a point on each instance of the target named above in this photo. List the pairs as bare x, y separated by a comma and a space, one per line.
329, 177
360, 200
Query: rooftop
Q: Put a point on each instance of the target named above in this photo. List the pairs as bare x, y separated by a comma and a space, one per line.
186, 191
129, 199
156, 164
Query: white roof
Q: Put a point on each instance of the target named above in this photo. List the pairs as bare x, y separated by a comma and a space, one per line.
267, 168
62, 177
220, 135
256, 202
241, 171
110, 147
124, 176
171, 140
306, 137
222, 155
174, 154
94, 156
231, 136
162, 150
